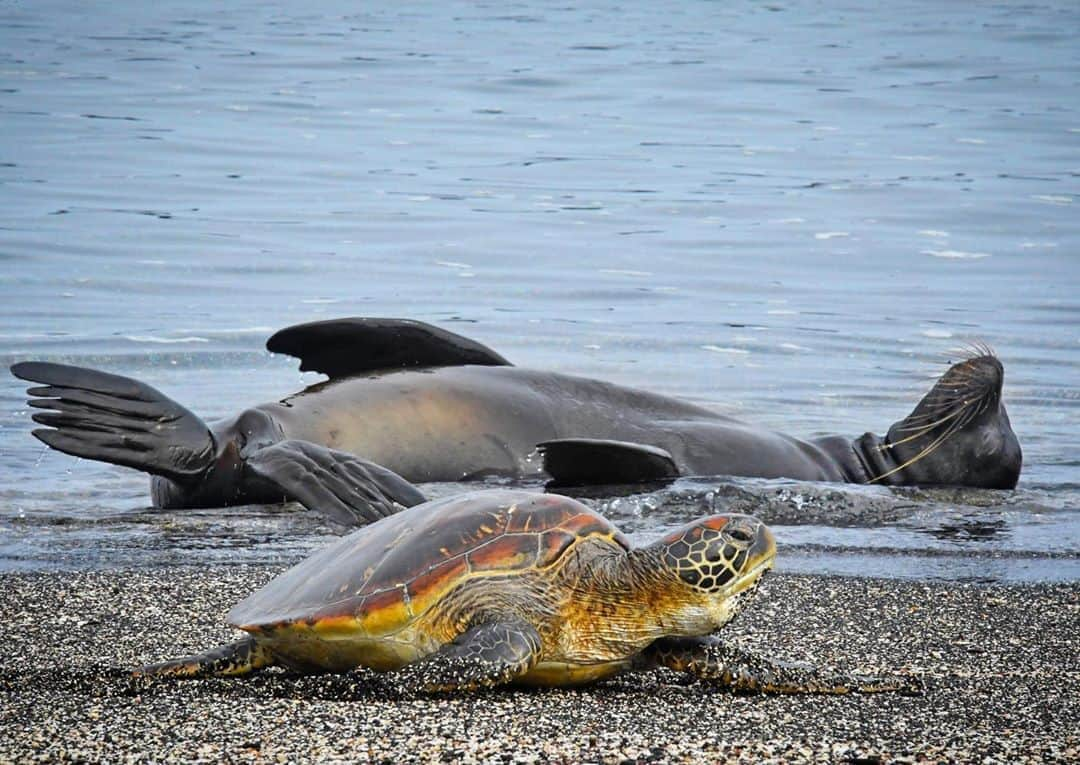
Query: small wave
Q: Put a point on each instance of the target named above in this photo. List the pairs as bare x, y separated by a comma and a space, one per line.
832, 235
956, 254
256, 330
164, 340
721, 349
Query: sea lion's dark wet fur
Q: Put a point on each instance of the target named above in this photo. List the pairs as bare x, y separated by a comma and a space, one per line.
410, 402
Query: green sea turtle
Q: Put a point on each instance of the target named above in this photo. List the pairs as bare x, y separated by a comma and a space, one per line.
499, 587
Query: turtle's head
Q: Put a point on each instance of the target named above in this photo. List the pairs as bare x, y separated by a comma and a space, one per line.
720, 559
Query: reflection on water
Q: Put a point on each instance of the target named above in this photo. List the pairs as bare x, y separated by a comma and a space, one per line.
789, 213
971, 529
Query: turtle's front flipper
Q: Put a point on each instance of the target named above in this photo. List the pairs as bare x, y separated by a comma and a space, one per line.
482, 657
239, 658
729, 666
115, 419
592, 461
346, 489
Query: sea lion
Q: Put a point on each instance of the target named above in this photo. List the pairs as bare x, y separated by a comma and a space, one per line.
406, 401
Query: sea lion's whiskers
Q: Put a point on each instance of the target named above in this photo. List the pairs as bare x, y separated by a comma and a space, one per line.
920, 431
926, 452
932, 418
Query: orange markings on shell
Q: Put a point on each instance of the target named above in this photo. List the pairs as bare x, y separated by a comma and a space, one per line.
505, 553
437, 577
379, 601
533, 515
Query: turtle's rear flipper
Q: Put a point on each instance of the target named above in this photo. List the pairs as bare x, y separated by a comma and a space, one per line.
239, 658
115, 419
729, 666
591, 462
482, 657
346, 489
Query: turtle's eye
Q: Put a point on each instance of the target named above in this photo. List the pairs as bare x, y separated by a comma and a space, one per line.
740, 534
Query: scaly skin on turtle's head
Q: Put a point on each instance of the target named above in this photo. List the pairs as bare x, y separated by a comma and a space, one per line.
720, 560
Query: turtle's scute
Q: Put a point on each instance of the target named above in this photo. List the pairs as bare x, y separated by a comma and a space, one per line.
555, 542
508, 552
447, 571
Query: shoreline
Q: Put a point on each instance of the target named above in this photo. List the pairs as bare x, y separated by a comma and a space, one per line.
1000, 664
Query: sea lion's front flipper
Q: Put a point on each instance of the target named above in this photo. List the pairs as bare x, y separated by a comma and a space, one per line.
346, 489
240, 658
353, 346
591, 462
728, 666
115, 419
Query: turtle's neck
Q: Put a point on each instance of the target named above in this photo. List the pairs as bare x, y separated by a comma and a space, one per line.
629, 599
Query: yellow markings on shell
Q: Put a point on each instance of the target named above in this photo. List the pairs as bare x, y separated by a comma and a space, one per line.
384, 619
332, 628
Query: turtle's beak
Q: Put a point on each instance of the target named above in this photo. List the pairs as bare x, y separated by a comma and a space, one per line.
763, 550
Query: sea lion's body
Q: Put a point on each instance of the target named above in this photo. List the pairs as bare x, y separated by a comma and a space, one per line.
408, 402
459, 423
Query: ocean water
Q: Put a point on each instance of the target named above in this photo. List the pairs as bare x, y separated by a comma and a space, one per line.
793, 212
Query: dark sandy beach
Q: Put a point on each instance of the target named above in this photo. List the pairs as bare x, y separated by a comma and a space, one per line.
999, 662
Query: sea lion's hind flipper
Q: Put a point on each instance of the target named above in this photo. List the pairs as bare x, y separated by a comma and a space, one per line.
240, 658
346, 347
346, 489
591, 462
116, 419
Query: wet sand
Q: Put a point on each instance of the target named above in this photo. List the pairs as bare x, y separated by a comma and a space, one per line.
1000, 665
